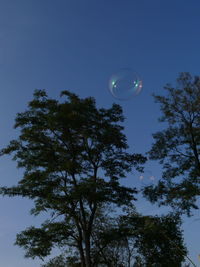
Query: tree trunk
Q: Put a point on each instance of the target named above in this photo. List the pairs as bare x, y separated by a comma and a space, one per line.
87, 251
81, 252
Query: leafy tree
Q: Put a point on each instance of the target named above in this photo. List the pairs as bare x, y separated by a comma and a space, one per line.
177, 147
159, 241
73, 155
146, 240
134, 239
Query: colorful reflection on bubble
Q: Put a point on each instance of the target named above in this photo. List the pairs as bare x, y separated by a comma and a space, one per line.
125, 84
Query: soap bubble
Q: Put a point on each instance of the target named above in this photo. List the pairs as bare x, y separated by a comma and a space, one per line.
147, 178
125, 84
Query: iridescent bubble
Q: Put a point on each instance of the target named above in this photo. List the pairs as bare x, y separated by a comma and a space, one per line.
147, 178
125, 84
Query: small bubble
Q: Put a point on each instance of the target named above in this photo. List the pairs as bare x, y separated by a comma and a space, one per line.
147, 178
125, 84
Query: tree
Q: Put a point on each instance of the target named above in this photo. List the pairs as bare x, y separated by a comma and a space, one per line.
159, 241
152, 240
177, 147
132, 239
73, 155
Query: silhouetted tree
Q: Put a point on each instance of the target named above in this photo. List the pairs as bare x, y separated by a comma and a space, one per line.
177, 146
132, 240
159, 241
73, 155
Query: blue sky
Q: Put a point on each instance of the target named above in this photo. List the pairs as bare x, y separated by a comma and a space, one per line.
77, 45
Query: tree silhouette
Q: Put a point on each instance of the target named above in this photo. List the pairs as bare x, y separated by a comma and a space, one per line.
177, 147
73, 155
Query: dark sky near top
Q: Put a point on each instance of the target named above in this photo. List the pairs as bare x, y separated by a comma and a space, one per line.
77, 45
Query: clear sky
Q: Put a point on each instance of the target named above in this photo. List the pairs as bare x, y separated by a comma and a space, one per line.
78, 45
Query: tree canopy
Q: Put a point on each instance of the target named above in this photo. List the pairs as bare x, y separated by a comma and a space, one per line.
73, 155
177, 146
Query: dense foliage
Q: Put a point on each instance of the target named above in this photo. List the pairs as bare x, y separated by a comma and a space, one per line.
74, 155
